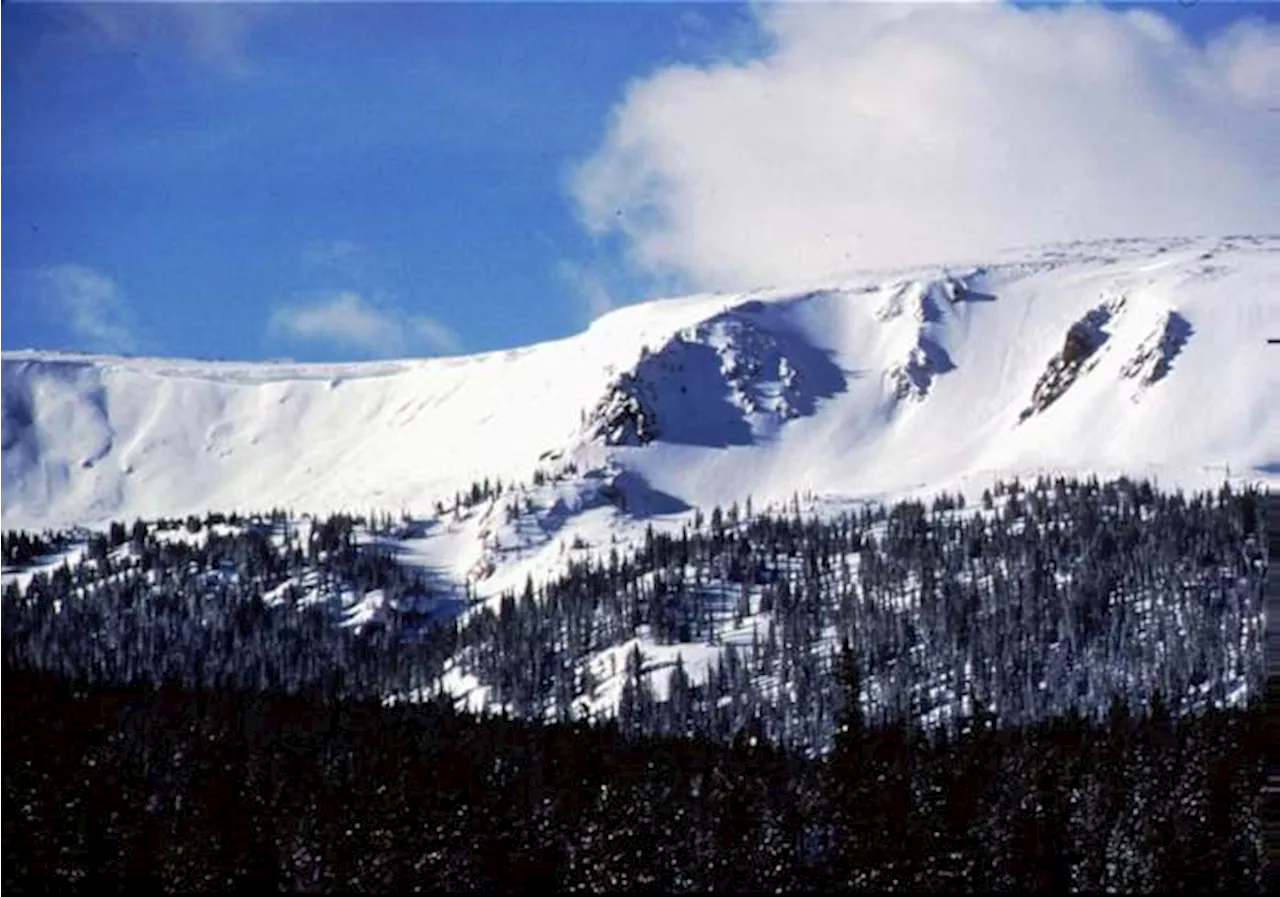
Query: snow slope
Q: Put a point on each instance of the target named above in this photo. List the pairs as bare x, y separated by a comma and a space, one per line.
1135, 356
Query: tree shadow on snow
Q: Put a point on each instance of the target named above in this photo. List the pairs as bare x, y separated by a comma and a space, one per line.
636, 497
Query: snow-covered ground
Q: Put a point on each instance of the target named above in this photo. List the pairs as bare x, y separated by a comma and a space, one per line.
1145, 358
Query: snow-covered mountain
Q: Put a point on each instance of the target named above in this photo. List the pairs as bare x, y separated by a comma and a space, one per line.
1140, 357
1123, 355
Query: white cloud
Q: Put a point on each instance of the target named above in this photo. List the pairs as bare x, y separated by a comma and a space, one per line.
348, 319
90, 304
886, 134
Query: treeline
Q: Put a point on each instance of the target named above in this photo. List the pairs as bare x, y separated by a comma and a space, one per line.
482, 491
20, 548
1051, 597
1055, 596
158, 787
256, 604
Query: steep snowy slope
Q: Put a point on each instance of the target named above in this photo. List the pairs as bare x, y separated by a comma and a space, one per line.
1108, 358
88, 438
1145, 356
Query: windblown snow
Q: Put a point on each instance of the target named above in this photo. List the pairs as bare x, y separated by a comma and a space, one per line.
1140, 356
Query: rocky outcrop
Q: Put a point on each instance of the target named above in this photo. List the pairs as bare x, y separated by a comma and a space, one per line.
761, 378
921, 299
1083, 340
716, 383
625, 415
913, 377
913, 312
1154, 355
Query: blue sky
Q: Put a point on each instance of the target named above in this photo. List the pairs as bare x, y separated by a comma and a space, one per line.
340, 181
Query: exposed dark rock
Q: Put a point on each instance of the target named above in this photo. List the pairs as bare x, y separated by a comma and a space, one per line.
1155, 354
1079, 345
625, 415
1083, 340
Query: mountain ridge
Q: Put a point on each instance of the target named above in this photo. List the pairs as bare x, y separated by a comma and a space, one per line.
858, 387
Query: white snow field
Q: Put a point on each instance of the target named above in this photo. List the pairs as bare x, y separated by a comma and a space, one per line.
874, 386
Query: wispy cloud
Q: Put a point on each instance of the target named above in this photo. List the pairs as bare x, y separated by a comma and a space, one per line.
342, 255
588, 287
601, 283
345, 263
438, 336
91, 305
884, 134
213, 35
346, 319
